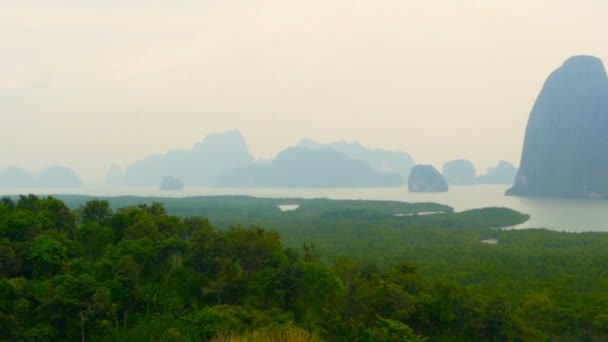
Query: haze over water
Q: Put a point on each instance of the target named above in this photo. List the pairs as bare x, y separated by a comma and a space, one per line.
572, 215
89, 83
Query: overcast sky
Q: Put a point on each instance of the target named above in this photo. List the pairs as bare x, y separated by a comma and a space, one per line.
87, 83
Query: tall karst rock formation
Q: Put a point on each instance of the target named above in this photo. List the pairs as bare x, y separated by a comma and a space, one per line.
199, 166
565, 151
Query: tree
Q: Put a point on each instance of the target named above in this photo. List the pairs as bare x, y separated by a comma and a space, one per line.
388, 330
85, 303
93, 238
29, 202
190, 225
498, 323
320, 289
95, 211
57, 215
145, 227
10, 262
254, 248
47, 254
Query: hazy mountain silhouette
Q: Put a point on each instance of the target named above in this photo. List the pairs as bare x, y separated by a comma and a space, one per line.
425, 178
503, 173
201, 165
305, 167
565, 151
16, 177
171, 184
379, 159
459, 172
59, 177
115, 175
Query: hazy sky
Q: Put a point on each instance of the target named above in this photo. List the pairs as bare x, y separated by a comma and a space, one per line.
87, 83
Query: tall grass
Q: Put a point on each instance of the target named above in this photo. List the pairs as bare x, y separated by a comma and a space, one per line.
284, 333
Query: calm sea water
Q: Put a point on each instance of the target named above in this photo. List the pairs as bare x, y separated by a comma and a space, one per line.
574, 215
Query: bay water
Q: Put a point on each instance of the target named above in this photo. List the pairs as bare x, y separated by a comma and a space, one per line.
573, 215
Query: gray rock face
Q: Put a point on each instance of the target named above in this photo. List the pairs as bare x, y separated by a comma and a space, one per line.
425, 178
59, 177
171, 184
380, 160
459, 172
503, 173
302, 167
565, 152
201, 165
16, 177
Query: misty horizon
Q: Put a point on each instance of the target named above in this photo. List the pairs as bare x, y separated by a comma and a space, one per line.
89, 85
302, 143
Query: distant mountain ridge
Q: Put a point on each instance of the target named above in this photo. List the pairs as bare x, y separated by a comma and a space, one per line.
223, 159
304, 167
59, 177
379, 159
115, 175
52, 177
459, 172
16, 177
201, 165
503, 173
425, 178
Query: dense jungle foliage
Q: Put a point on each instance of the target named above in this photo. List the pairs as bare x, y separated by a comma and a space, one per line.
240, 269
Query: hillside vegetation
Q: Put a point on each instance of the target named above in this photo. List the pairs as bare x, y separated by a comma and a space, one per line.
114, 270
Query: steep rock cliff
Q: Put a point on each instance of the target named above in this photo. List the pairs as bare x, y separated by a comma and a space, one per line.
565, 151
